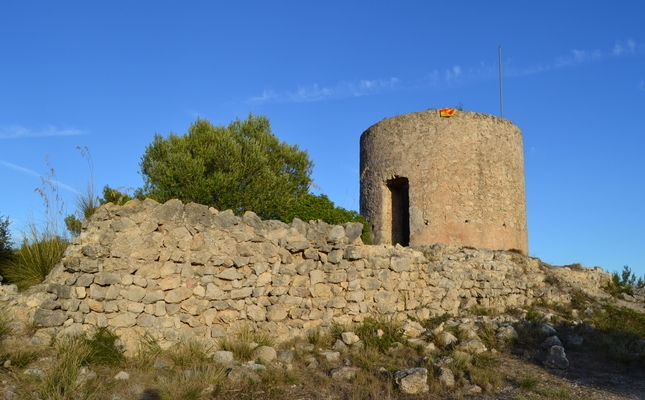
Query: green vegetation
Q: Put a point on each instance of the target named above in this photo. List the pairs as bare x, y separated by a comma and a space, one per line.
624, 282
380, 333
5, 240
311, 207
242, 167
34, 259
243, 344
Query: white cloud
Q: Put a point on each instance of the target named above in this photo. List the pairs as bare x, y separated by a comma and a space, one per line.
35, 174
316, 92
641, 85
456, 75
577, 57
453, 74
19, 131
627, 47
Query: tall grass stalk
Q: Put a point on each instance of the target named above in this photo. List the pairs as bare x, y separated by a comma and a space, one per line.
42, 247
35, 258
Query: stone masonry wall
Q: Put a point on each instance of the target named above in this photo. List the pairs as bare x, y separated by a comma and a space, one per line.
176, 271
464, 180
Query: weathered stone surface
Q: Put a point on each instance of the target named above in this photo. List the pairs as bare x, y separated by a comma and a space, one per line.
446, 377
49, 318
265, 354
241, 293
276, 313
230, 274
177, 295
412, 381
344, 372
551, 341
556, 358
446, 339
349, 338
189, 270
331, 356
61, 291
223, 357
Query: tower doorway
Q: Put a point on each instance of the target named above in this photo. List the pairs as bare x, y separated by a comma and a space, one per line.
400, 210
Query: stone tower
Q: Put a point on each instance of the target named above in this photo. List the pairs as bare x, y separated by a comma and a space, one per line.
428, 179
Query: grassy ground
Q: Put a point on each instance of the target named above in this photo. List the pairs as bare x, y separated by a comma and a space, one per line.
612, 351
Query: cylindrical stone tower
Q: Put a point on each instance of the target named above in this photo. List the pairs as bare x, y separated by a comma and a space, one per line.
428, 179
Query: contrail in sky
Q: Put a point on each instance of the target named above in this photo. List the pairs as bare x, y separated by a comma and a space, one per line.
37, 175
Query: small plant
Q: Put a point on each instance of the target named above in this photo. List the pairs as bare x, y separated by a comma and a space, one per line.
527, 382
579, 299
367, 359
482, 311
434, 322
148, 351
245, 342
5, 323
530, 333
20, 357
559, 393
533, 315
189, 353
381, 334
624, 282
34, 259
42, 247
488, 336
319, 338
61, 381
199, 382
104, 349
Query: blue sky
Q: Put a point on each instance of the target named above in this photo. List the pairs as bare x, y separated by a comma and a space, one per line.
109, 75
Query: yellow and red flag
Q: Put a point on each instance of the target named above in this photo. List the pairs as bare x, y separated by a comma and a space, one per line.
447, 112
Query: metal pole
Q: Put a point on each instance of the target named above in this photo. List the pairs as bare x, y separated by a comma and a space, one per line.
501, 96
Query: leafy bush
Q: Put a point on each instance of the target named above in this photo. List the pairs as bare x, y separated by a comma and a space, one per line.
242, 167
114, 196
310, 207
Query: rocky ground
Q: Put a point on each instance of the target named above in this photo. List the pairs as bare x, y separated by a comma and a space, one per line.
537, 353
592, 348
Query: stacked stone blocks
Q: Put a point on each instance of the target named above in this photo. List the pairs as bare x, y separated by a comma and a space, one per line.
176, 271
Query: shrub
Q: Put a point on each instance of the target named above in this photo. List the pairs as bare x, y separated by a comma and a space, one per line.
189, 353
104, 348
623, 282
310, 207
380, 333
5, 241
34, 259
244, 343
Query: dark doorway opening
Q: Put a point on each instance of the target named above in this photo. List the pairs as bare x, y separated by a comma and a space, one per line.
400, 211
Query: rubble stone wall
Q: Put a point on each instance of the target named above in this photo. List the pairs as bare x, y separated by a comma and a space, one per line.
174, 271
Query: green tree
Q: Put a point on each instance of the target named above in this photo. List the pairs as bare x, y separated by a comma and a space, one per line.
5, 240
311, 207
242, 167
